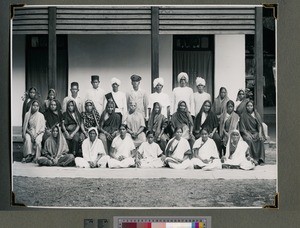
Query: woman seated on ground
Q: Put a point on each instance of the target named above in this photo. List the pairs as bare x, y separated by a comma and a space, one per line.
237, 153
251, 129
183, 119
149, 153
136, 124
51, 96
178, 152
205, 153
53, 116
158, 123
229, 121
122, 150
71, 126
241, 100
89, 118
93, 152
33, 130
219, 105
55, 151
206, 118
110, 122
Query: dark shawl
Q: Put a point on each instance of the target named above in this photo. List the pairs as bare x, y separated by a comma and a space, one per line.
53, 118
157, 121
210, 122
249, 124
113, 122
241, 107
69, 121
180, 118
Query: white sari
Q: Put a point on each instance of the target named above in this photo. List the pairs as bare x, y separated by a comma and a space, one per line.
91, 151
238, 158
177, 151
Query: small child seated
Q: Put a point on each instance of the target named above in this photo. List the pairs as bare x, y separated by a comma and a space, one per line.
149, 154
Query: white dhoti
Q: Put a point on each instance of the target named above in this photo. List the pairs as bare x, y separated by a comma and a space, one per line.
125, 163
214, 164
151, 163
82, 163
186, 164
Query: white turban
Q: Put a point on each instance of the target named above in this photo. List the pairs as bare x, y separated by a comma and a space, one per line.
182, 75
158, 81
115, 80
200, 80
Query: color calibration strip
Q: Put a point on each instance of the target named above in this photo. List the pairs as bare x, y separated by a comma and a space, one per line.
160, 222
163, 225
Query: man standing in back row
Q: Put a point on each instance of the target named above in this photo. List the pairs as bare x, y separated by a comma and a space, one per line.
96, 94
200, 96
138, 96
74, 96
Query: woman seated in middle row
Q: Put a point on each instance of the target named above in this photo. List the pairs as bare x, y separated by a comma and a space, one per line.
136, 124
206, 118
71, 126
53, 116
229, 121
182, 119
158, 123
110, 122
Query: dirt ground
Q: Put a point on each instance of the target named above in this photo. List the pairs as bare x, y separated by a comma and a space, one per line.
161, 192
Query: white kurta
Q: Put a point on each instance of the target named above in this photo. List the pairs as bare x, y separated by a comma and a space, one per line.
98, 97
150, 153
199, 99
123, 147
183, 94
141, 99
90, 152
134, 121
163, 99
206, 150
78, 100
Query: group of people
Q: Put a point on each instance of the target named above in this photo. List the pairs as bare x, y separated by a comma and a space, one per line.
118, 130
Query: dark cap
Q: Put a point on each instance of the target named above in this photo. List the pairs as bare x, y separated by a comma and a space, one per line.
135, 77
94, 77
74, 84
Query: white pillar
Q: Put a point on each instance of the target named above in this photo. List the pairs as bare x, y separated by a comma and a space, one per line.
229, 63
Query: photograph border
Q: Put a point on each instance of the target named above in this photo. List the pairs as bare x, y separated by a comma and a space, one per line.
288, 144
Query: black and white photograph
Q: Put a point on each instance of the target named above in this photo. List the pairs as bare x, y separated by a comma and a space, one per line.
144, 106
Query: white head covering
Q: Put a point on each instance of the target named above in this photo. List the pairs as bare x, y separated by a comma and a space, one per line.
93, 129
158, 81
115, 80
183, 75
200, 80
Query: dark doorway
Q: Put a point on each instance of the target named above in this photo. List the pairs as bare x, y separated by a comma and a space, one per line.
37, 65
194, 54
